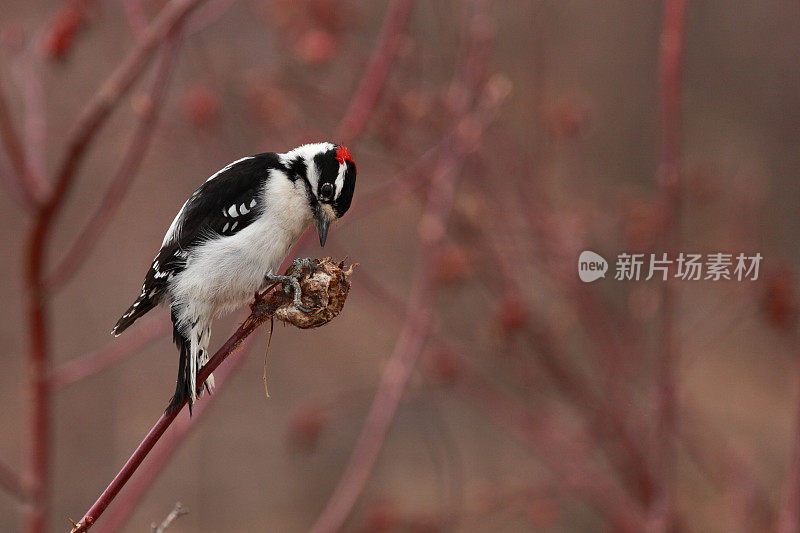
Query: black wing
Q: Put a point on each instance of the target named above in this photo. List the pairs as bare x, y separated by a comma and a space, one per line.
224, 205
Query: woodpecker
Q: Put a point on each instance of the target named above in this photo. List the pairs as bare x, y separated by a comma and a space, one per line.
230, 237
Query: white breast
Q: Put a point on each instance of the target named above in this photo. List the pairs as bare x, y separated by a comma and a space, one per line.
222, 274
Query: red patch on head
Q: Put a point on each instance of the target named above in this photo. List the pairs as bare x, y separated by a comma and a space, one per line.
343, 154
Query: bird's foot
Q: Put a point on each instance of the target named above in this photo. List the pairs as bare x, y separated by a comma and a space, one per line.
291, 285
301, 262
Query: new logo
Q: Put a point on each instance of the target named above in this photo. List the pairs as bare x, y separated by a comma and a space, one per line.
591, 266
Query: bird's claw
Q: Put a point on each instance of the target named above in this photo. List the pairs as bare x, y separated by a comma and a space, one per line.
291, 285
300, 262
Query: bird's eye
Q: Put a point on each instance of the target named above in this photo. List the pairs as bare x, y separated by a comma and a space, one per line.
326, 192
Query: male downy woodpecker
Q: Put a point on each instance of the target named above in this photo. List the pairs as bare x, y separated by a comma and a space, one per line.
230, 237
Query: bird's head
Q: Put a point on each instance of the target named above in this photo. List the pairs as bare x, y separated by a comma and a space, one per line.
330, 174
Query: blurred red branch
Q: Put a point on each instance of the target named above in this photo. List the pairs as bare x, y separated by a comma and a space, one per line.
601, 491
789, 515
207, 15
12, 482
105, 99
89, 122
419, 313
409, 345
374, 78
94, 228
576, 472
670, 64
728, 469
606, 415
559, 453
25, 183
135, 15
30, 74
149, 330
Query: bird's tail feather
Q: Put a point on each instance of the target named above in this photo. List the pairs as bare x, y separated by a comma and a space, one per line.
141, 306
182, 387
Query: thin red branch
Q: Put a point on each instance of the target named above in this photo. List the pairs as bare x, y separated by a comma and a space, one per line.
37, 477
607, 419
12, 482
94, 228
24, 181
409, 346
571, 464
147, 332
31, 75
728, 469
93, 116
789, 516
575, 472
113, 89
13, 186
415, 330
374, 78
149, 472
136, 17
613, 333
207, 15
262, 311
670, 64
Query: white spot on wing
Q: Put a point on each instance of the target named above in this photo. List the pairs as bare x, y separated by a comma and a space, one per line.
235, 223
232, 211
225, 228
243, 209
252, 203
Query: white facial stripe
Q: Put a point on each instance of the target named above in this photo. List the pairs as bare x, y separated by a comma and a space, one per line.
313, 174
339, 184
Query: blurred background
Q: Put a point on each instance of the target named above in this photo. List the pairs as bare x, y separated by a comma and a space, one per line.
495, 141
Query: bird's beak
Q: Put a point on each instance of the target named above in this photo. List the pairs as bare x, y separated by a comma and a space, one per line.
323, 223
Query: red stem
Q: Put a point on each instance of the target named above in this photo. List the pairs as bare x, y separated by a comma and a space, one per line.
136, 17
607, 418
12, 482
93, 116
93, 229
374, 78
39, 394
24, 183
409, 346
414, 332
261, 312
789, 516
670, 63
82, 367
147, 474
568, 461
30, 74
105, 99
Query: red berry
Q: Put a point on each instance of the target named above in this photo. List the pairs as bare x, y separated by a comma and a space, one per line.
316, 46
305, 428
201, 106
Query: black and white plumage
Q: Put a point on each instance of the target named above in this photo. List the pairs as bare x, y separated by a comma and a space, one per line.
231, 235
